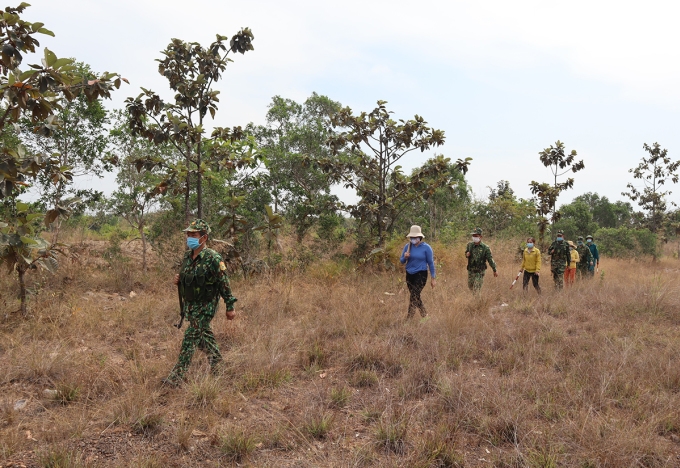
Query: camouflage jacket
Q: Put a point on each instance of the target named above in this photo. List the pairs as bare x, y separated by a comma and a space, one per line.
480, 254
559, 254
586, 257
203, 280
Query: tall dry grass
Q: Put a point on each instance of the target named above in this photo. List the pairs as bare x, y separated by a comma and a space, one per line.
322, 369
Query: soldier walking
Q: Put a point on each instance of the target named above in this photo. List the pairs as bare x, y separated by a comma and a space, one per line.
478, 255
596, 255
586, 257
559, 259
202, 280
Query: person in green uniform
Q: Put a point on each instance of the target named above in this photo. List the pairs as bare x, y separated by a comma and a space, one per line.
202, 280
559, 259
586, 259
478, 255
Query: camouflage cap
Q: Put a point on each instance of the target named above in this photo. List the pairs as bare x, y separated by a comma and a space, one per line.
560, 232
580, 238
476, 232
198, 225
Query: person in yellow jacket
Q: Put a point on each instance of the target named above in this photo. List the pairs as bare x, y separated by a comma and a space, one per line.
570, 272
531, 264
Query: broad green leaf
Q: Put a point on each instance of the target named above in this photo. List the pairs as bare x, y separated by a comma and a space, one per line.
28, 240
50, 57
46, 31
21, 207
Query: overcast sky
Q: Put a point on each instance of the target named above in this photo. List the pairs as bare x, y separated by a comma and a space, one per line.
503, 79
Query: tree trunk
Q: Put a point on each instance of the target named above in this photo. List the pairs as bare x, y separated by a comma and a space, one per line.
22, 290
199, 181
187, 214
141, 234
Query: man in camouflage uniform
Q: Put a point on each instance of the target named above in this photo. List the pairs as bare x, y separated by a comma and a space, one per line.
478, 254
559, 259
202, 281
586, 259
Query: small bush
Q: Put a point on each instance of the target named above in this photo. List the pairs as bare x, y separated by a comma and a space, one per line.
204, 391
237, 446
67, 393
391, 433
148, 424
363, 379
265, 379
318, 425
340, 396
61, 458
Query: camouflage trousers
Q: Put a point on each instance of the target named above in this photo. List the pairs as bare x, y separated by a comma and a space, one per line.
475, 280
197, 335
582, 273
558, 276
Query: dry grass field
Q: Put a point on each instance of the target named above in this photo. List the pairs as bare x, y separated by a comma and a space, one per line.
322, 370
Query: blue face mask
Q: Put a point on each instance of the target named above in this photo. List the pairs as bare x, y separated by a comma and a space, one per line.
589, 241
414, 241
530, 245
560, 238
193, 243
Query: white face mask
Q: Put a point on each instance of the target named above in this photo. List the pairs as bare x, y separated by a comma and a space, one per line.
414, 240
476, 240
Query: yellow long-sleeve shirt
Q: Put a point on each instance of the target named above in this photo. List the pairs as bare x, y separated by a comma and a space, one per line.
531, 260
575, 258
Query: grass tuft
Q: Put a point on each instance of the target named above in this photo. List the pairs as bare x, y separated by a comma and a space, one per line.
237, 446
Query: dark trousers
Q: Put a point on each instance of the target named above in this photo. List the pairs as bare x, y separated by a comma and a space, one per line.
534, 280
416, 282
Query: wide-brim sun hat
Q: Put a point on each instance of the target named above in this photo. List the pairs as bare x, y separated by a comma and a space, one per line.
415, 232
571, 243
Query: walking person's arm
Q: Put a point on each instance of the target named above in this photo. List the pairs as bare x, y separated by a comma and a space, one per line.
405, 254
489, 258
224, 289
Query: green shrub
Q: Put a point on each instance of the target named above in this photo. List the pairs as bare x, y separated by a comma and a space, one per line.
625, 242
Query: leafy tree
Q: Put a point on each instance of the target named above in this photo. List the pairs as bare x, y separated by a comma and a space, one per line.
654, 171
191, 71
292, 143
605, 213
79, 143
505, 213
376, 144
576, 220
134, 198
559, 163
37, 94
446, 207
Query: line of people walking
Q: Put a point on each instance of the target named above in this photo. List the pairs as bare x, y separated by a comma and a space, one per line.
568, 261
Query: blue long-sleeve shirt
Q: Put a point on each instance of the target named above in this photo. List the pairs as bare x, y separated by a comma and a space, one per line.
421, 258
594, 251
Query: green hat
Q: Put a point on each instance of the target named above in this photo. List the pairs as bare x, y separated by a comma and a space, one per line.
589, 236
198, 225
580, 238
560, 232
476, 232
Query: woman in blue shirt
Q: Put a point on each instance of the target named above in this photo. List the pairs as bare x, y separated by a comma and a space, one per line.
417, 256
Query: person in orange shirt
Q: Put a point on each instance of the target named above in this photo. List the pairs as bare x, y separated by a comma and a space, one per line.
570, 272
